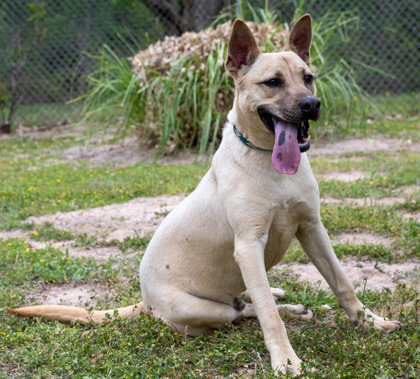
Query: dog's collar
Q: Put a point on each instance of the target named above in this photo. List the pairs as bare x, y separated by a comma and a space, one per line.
245, 141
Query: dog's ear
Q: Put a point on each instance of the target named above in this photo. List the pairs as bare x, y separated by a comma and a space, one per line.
242, 48
300, 38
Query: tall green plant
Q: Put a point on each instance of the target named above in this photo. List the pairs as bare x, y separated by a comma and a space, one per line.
179, 109
176, 110
344, 101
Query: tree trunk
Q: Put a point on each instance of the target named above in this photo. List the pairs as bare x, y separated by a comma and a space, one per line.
181, 16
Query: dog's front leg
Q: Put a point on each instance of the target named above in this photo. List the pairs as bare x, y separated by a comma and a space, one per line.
316, 243
250, 257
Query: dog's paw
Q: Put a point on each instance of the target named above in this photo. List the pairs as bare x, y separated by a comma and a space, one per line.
292, 367
295, 312
369, 320
278, 294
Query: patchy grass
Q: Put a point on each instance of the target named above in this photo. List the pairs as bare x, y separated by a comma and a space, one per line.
369, 251
404, 128
22, 265
387, 172
33, 182
145, 347
47, 232
376, 219
32, 188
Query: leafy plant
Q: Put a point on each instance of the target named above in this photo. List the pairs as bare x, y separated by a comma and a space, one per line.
181, 108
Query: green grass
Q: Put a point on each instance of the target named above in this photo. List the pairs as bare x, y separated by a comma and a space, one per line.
404, 128
22, 265
47, 232
403, 104
31, 187
46, 114
145, 347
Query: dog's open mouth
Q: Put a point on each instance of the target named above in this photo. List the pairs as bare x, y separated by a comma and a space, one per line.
290, 140
302, 128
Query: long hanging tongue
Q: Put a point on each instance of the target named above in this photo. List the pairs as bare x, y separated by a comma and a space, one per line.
286, 152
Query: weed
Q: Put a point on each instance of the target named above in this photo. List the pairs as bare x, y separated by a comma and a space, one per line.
47, 232
135, 243
22, 264
84, 240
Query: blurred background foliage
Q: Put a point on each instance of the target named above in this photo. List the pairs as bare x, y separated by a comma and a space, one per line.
54, 52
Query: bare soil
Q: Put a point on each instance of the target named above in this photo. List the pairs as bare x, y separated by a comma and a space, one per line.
368, 274
77, 295
139, 216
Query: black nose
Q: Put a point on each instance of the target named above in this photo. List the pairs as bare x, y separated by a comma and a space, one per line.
310, 107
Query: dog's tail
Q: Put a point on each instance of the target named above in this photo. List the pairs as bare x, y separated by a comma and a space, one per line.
69, 314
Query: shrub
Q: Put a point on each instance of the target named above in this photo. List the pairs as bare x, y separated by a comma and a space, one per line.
180, 100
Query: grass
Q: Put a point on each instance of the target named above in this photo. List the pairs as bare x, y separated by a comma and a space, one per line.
22, 265
34, 181
404, 104
46, 114
31, 188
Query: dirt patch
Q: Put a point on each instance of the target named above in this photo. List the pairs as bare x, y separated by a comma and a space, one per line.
377, 275
79, 295
127, 152
409, 191
139, 216
57, 131
363, 145
351, 176
17, 233
100, 253
415, 216
365, 201
361, 239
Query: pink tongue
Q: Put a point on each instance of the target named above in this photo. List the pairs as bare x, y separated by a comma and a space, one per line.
286, 152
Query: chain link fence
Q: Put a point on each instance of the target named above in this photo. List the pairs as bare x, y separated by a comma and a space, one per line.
47, 45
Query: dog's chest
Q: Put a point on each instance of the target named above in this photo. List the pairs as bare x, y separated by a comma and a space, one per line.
289, 211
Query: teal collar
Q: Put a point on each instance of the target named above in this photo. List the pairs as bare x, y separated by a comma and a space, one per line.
245, 141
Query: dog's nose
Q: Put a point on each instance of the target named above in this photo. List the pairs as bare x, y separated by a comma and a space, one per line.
310, 107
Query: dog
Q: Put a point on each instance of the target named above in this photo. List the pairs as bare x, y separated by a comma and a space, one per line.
259, 193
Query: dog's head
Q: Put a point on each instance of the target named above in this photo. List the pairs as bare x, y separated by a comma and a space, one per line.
274, 93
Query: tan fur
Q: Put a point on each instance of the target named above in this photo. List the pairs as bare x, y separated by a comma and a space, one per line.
240, 220
69, 314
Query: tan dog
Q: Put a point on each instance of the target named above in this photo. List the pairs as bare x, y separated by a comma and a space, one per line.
259, 193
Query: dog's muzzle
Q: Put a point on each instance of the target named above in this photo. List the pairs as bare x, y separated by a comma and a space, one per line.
310, 107
302, 127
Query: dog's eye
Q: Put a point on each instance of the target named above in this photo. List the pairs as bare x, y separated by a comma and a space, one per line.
308, 78
275, 82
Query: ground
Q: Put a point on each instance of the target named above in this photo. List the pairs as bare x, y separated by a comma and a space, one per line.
78, 207
141, 216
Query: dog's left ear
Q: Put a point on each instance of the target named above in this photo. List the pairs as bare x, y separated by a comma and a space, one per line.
300, 38
242, 48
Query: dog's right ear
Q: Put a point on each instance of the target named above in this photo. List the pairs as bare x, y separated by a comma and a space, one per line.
242, 49
300, 38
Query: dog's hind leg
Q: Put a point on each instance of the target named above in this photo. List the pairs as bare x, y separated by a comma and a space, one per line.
194, 315
288, 311
294, 312
277, 293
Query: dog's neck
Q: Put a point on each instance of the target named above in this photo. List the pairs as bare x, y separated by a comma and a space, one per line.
245, 141
247, 126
